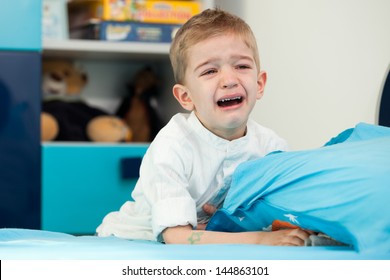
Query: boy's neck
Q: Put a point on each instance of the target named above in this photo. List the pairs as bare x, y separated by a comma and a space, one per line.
229, 135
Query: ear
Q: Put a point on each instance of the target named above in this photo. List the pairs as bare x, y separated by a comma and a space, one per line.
261, 81
182, 95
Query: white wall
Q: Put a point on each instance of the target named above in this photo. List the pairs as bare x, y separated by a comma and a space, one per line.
326, 62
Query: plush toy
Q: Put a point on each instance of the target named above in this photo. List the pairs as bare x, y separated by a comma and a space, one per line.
62, 79
139, 108
66, 117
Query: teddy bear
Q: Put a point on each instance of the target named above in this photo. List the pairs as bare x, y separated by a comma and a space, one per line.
139, 109
66, 117
61, 78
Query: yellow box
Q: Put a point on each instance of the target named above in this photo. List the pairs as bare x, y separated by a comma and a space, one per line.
150, 11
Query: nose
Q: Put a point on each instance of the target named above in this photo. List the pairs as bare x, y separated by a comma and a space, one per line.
228, 78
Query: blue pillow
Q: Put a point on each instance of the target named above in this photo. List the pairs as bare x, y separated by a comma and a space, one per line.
341, 189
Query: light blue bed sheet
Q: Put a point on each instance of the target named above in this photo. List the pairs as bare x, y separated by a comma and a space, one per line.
25, 244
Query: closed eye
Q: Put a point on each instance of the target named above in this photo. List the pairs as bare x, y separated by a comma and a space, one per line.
208, 72
243, 66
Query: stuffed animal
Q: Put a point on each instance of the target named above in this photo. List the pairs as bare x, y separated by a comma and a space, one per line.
62, 79
66, 117
139, 108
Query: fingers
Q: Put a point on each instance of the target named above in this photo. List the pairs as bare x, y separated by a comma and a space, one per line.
302, 234
297, 237
295, 241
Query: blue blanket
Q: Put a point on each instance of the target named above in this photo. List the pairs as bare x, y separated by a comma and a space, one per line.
341, 189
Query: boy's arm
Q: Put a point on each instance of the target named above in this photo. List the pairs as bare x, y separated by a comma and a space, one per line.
186, 235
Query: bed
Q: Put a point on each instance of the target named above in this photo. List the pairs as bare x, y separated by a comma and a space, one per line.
254, 193
25, 244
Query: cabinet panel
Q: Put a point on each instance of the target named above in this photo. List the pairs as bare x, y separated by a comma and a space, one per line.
84, 182
20, 25
20, 155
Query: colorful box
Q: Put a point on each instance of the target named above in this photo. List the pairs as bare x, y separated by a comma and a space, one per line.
137, 31
150, 11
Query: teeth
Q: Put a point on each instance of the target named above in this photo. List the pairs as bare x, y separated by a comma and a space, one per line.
230, 99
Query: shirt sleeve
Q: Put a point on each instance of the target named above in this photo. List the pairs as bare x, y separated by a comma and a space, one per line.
164, 185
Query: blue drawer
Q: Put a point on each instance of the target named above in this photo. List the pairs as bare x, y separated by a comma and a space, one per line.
81, 183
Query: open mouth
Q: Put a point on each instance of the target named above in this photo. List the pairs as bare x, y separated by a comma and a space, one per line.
227, 102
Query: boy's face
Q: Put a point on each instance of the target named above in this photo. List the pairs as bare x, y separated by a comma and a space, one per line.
221, 84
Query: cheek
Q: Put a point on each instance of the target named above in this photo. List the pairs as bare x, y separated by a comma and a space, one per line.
201, 93
253, 85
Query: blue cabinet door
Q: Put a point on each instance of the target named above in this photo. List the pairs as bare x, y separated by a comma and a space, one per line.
20, 155
81, 183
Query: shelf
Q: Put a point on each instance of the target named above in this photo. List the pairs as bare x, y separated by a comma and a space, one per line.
105, 49
94, 145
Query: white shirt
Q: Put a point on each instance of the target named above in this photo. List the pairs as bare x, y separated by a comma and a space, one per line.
185, 167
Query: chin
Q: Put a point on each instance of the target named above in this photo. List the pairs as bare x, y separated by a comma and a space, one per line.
235, 119
236, 124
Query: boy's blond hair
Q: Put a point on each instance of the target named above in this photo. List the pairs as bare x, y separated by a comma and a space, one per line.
210, 23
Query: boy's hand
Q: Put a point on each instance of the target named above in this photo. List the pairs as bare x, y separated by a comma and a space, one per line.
285, 237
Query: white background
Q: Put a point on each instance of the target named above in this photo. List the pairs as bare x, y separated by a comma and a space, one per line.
326, 62
291, 269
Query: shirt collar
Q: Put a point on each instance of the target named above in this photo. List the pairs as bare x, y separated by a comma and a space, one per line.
209, 137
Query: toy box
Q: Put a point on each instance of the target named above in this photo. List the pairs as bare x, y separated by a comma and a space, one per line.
84, 18
150, 11
137, 31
